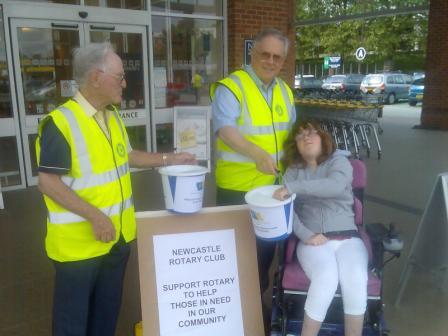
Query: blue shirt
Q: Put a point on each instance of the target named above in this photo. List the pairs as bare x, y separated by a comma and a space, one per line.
226, 108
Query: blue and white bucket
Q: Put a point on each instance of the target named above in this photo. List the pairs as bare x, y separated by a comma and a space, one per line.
183, 187
272, 219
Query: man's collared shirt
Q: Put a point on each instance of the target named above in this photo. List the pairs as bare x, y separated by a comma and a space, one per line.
226, 108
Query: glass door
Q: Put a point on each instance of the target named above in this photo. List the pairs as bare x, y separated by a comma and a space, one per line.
130, 43
43, 66
11, 162
42, 52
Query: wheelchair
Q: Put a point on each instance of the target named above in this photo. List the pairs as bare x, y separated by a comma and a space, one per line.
291, 284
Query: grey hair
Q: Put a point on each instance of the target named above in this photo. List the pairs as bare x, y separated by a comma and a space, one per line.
272, 32
89, 57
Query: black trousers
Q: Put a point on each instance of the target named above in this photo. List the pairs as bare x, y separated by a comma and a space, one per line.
265, 249
87, 293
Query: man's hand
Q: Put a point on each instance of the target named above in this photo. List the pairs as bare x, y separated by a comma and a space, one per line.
265, 163
103, 228
317, 239
281, 194
181, 158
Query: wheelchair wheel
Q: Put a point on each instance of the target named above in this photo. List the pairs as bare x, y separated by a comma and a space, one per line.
284, 325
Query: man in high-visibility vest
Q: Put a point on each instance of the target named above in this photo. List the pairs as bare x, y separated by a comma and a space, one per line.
252, 112
84, 156
197, 82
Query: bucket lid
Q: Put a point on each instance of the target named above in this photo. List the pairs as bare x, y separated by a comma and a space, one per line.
183, 170
262, 197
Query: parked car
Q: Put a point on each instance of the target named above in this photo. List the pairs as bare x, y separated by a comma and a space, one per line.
417, 75
297, 79
308, 84
343, 83
416, 91
390, 86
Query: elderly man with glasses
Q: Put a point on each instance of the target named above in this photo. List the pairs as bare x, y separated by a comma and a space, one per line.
84, 155
253, 111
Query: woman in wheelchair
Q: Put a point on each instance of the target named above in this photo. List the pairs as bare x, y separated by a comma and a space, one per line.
330, 250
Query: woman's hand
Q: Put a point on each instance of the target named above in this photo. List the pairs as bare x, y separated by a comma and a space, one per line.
317, 239
281, 194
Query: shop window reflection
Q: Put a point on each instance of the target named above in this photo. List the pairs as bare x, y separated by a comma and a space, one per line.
129, 47
137, 137
164, 137
32, 147
65, 2
45, 58
184, 76
210, 7
5, 93
123, 4
9, 163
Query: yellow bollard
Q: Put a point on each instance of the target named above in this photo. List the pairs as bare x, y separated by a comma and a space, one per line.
138, 329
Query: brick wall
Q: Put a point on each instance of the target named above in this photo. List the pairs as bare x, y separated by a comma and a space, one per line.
247, 17
435, 100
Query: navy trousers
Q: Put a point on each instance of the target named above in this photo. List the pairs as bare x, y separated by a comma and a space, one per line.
87, 293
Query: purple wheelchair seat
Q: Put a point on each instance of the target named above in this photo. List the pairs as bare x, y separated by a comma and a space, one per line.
295, 279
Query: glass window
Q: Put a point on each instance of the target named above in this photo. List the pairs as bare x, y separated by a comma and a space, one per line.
211, 7
5, 93
32, 147
125, 4
158, 5
45, 59
160, 57
137, 137
164, 137
67, 2
129, 47
9, 163
187, 58
399, 79
184, 76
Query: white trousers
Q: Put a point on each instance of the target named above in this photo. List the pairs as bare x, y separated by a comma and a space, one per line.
343, 262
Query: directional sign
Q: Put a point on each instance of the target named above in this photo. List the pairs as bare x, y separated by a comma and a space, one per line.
334, 61
360, 54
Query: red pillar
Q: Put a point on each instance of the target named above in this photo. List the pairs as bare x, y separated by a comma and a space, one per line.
247, 17
435, 100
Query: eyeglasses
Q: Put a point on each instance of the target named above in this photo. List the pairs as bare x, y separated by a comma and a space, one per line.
309, 132
120, 77
266, 57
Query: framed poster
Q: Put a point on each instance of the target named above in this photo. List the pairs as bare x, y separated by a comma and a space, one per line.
192, 131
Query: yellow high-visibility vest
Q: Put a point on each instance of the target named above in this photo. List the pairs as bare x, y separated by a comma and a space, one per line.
265, 126
99, 174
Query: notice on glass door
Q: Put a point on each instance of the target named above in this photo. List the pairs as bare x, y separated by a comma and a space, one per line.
197, 284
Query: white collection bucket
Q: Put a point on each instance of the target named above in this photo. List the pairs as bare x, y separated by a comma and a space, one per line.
272, 219
183, 187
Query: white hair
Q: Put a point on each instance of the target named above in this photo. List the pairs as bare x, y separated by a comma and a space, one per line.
272, 32
88, 58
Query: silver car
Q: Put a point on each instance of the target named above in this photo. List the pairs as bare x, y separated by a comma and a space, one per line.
390, 86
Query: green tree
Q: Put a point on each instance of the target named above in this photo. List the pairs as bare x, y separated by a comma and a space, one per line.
383, 37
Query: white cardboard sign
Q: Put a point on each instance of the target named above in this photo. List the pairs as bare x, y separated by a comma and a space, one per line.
197, 284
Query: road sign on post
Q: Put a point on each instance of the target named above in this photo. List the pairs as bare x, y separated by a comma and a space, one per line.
360, 53
326, 61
